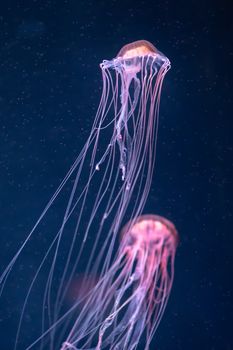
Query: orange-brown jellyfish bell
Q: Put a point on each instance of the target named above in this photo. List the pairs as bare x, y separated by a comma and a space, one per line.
137, 48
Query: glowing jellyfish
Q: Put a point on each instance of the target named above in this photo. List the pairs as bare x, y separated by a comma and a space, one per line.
130, 299
108, 183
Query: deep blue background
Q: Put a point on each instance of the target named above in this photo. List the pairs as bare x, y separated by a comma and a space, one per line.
50, 85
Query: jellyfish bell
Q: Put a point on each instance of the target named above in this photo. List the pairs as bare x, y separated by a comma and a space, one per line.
148, 228
133, 56
152, 241
150, 238
137, 48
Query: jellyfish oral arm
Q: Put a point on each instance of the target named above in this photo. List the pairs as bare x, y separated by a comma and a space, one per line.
122, 121
125, 142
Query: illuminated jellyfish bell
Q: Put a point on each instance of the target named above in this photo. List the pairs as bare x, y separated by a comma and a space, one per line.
128, 303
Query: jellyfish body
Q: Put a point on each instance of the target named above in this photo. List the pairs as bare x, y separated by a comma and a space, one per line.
140, 69
109, 181
129, 301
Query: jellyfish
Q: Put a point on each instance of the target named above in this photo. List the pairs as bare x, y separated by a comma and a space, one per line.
107, 185
129, 301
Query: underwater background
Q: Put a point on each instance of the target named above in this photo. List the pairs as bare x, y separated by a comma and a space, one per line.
50, 86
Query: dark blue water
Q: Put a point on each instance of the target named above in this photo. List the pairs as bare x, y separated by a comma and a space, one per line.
50, 84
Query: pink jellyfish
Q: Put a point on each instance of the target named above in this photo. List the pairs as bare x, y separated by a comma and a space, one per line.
129, 301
